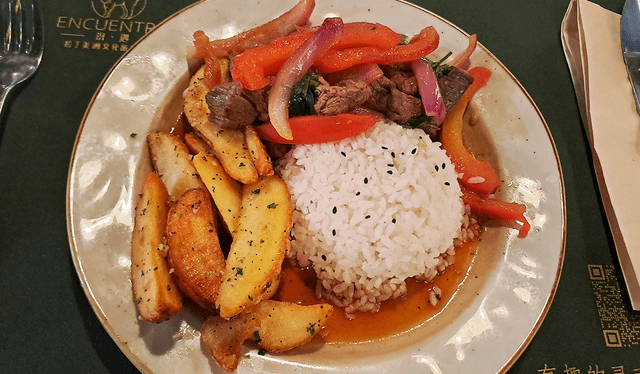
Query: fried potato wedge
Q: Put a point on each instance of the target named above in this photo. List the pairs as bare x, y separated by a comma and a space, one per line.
261, 158
194, 251
274, 325
259, 246
225, 338
195, 143
172, 161
284, 326
226, 191
229, 145
156, 295
270, 288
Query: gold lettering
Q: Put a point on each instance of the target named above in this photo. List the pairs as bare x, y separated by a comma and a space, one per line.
113, 25
106, 31
103, 27
125, 27
73, 23
62, 20
84, 24
139, 24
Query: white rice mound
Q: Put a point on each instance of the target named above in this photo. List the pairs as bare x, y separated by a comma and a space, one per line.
371, 211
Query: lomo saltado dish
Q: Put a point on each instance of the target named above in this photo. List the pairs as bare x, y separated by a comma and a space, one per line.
329, 155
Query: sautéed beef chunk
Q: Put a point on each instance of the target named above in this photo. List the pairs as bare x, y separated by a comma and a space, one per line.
228, 108
395, 95
402, 107
232, 106
259, 99
341, 98
453, 86
403, 78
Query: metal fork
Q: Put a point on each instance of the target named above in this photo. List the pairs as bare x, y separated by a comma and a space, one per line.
22, 44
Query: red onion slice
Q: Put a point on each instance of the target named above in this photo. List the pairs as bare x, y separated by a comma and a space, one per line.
429, 90
462, 60
297, 66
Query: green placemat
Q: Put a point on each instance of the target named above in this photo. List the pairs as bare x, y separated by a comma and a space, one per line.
46, 323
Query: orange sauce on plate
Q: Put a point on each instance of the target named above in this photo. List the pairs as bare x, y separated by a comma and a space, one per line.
395, 316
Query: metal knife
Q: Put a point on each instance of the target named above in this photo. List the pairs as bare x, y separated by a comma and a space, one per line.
630, 38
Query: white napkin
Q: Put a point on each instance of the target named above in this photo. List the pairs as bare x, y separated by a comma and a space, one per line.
591, 41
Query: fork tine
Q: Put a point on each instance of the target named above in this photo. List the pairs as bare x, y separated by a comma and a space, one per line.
17, 27
22, 44
6, 25
36, 27
29, 27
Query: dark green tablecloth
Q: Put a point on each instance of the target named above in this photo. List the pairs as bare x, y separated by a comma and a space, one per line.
46, 323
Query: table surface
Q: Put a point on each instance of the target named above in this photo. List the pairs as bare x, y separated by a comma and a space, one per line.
46, 322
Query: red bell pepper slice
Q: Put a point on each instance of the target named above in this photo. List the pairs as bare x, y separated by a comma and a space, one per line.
498, 209
359, 34
298, 16
477, 175
253, 66
320, 129
420, 46
296, 66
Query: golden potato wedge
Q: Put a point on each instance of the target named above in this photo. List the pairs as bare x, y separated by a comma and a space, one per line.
229, 145
172, 161
155, 294
226, 191
261, 158
194, 251
284, 326
274, 325
232, 151
225, 338
195, 143
270, 288
259, 246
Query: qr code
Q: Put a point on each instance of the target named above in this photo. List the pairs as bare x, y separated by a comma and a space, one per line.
620, 325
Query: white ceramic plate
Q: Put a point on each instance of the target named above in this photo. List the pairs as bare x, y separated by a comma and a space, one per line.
489, 321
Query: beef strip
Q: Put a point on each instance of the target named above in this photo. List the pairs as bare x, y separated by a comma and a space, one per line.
453, 85
403, 77
380, 93
228, 108
342, 98
392, 102
402, 107
260, 100
406, 82
395, 95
